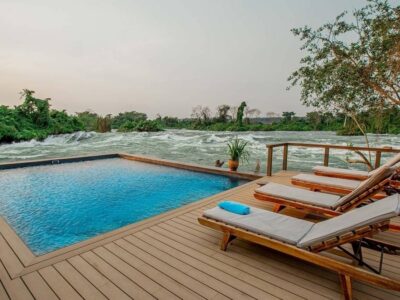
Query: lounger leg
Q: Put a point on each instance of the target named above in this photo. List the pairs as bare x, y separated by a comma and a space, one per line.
226, 239
278, 207
345, 282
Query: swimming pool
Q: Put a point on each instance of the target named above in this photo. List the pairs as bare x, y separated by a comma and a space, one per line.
54, 206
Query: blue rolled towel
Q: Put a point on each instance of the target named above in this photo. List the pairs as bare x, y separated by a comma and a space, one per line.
235, 207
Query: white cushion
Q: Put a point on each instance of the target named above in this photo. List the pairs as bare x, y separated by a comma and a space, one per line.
273, 225
340, 171
298, 195
303, 233
373, 213
330, 181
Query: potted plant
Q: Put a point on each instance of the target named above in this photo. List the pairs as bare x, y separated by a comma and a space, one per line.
237, 151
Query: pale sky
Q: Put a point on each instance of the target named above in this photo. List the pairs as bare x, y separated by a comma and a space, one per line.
163, 56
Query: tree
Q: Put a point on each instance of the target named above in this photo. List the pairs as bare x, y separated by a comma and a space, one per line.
314, 118
233, 111
252, 112
202, 114
352, 66
239, 114
222, 113
37, 110
288, 115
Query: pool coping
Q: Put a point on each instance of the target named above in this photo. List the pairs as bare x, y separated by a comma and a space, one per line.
28, 261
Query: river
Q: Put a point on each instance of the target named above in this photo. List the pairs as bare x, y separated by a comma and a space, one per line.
201, 147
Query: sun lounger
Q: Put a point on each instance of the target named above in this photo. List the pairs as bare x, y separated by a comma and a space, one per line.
352, 174
323, 203
306, 240
338, 185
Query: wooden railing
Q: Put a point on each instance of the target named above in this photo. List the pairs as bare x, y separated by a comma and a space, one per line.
326, 151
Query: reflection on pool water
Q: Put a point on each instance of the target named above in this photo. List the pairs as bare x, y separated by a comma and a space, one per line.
55, 206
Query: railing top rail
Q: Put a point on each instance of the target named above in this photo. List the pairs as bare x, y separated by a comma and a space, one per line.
331, 146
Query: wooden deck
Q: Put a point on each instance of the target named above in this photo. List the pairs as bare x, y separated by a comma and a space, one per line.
171, 256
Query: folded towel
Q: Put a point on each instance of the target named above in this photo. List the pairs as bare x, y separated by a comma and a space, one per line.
235, 207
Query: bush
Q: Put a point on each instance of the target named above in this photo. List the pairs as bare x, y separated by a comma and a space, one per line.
148, 126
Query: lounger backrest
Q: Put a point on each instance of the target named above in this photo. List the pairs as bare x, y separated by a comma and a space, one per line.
394, 160
368, 185
390, 163
370, 214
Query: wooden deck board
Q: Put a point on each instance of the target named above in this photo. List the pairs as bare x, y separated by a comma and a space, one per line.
172, 256
38, 287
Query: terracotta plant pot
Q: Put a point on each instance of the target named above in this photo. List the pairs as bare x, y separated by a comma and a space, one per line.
233, 164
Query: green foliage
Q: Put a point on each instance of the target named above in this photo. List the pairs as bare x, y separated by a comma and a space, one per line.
88, 119
288, 116
131, 116
237, 150
33, 119
141, 126
352, 66
148, 126
239, 115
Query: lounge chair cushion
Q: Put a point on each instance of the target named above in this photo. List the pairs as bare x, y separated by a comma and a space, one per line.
298, 195
333, 170
329, 181
373, 213
280, 227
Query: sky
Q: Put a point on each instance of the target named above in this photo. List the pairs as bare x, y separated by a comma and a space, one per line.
158, 57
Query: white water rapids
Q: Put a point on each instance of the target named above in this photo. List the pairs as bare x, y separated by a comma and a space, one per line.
201, 147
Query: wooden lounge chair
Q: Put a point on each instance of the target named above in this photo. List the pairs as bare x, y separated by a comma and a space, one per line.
352, 174
324, 204
338, 186
307, 241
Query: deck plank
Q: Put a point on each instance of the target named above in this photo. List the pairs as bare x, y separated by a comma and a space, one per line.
103, 284
58, 284
245, 282
175, 275
23, 252
151, 289
3, 292
10, 260
120, 280
38, 286
221, 286
80, 283
16, 289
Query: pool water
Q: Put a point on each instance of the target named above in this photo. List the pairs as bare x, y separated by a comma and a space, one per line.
51, 207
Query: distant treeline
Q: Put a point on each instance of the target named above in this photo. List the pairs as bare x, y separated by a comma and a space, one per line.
34, 119
379, 121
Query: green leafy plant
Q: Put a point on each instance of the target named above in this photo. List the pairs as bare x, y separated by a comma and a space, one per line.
237, 150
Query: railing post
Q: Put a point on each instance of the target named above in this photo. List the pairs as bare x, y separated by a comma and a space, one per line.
269, 160
377, 159
326, 156
285, 157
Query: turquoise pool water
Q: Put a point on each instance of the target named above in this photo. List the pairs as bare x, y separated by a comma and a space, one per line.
55, 206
